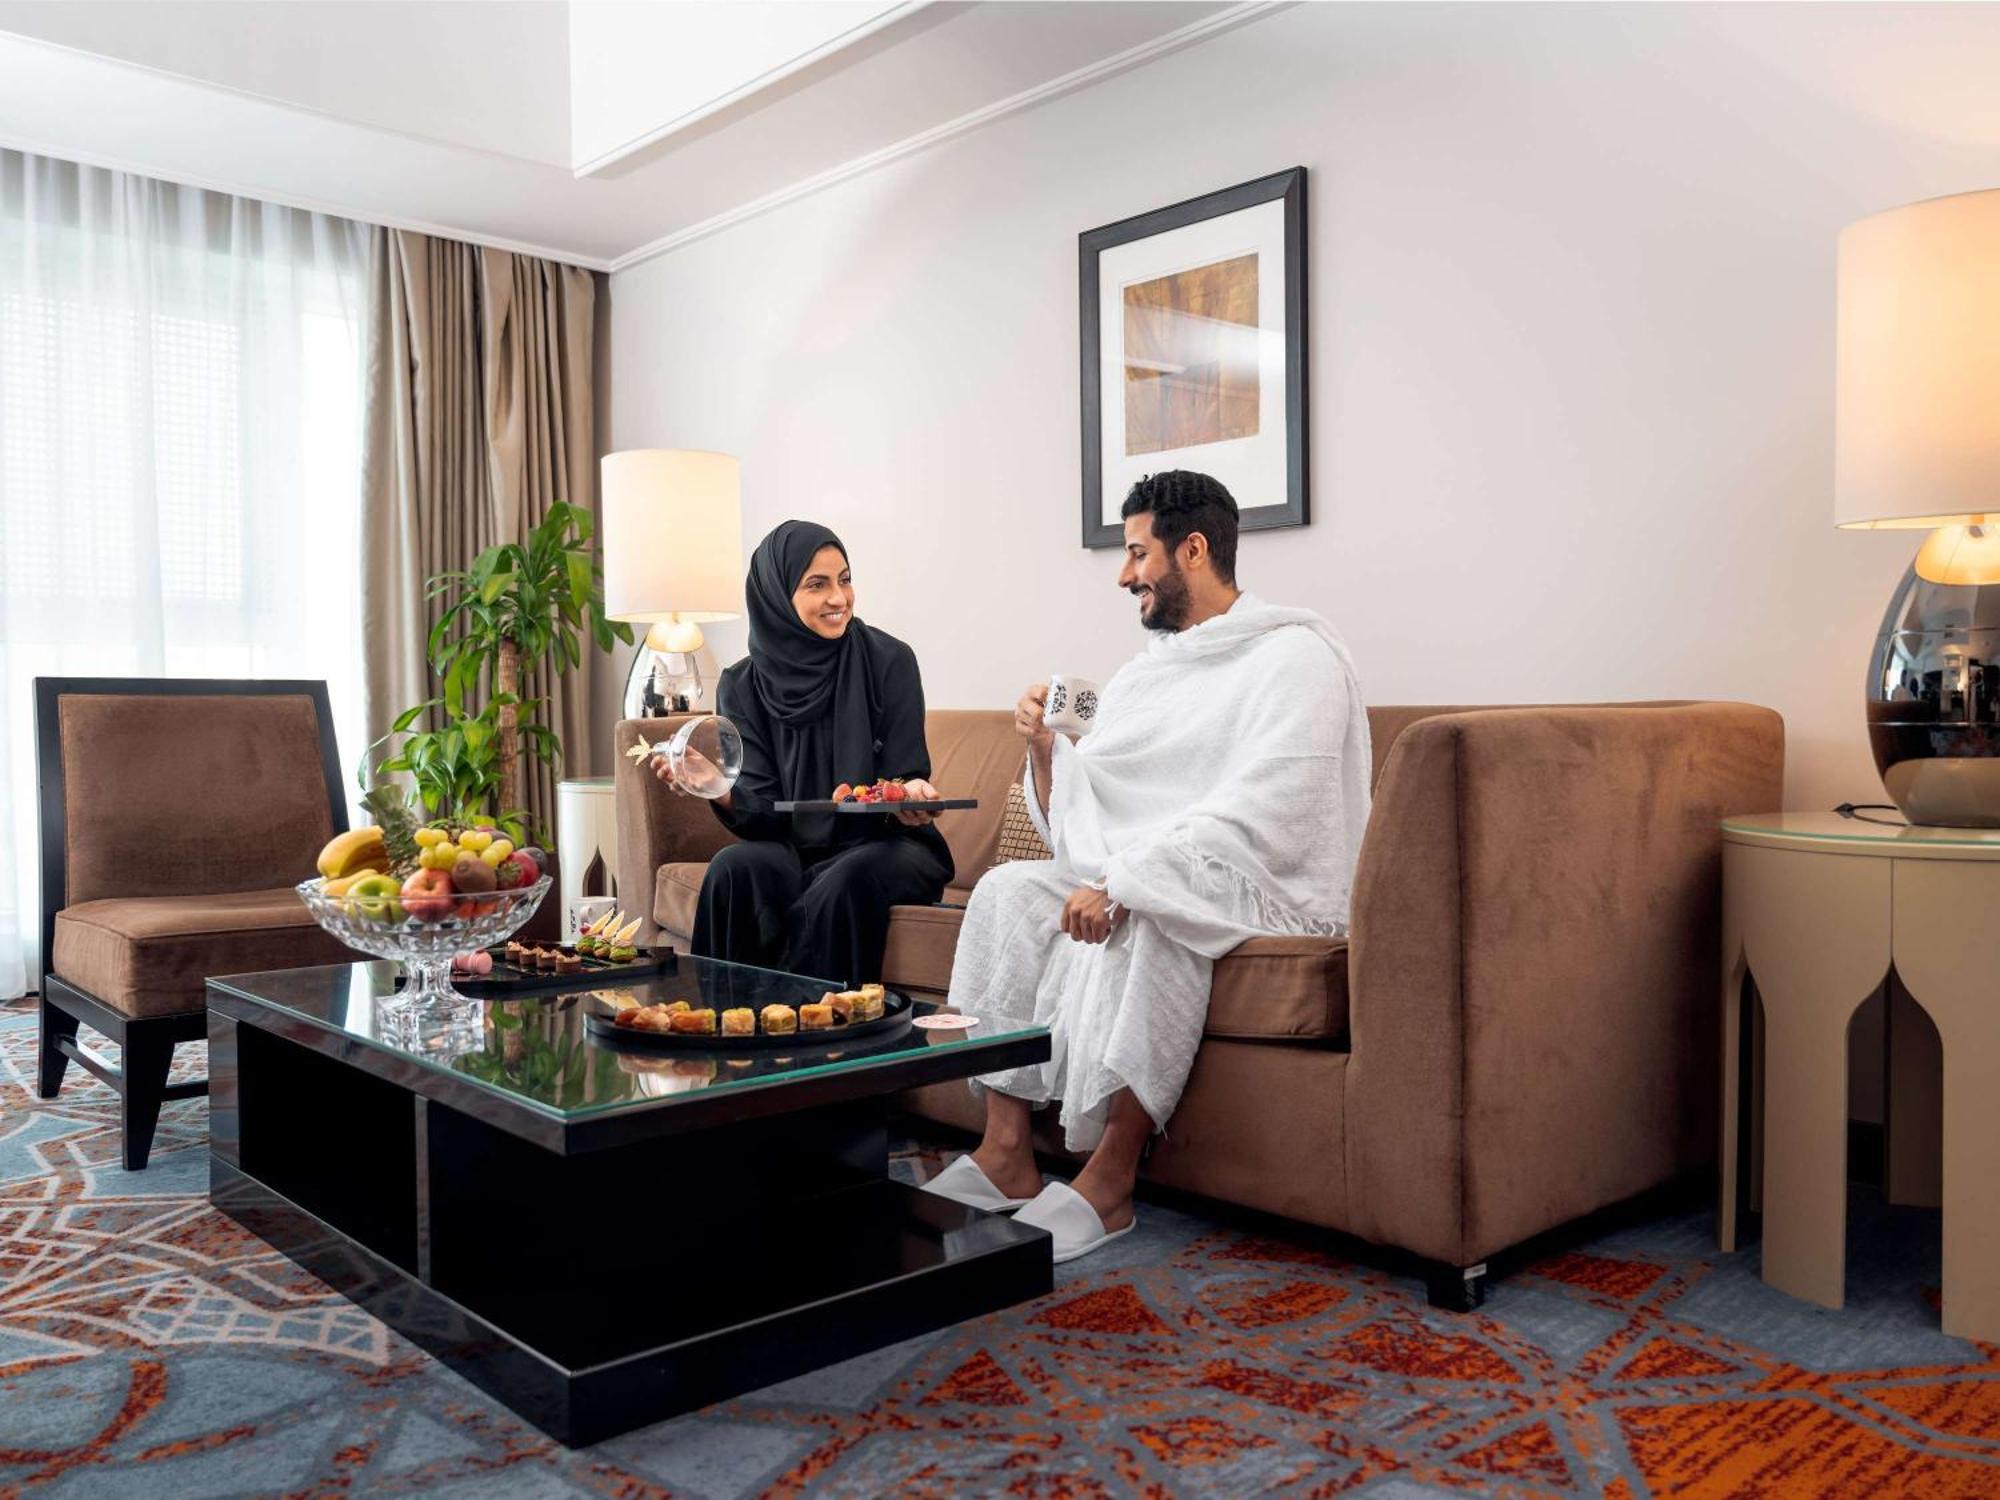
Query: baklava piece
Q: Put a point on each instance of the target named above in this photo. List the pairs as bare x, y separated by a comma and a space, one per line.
695, 1022
739, 1022
780, 1020
816, 1017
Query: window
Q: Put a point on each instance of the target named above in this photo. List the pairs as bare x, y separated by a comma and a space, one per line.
180, 455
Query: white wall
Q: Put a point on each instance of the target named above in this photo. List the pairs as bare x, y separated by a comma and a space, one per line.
1571, 338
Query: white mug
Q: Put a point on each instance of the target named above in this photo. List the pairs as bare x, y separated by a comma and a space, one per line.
1072, 705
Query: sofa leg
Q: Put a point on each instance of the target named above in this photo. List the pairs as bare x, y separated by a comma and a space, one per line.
1459, 1289
52, 1061
147, 1062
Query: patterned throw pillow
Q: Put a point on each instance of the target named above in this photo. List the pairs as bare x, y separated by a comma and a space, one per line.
1018, 839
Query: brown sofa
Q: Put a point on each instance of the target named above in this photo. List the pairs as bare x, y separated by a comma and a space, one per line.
1521, 1026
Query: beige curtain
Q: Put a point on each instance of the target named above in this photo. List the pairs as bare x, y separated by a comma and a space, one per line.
479, 419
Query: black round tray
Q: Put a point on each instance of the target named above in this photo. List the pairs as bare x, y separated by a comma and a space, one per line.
599, 1017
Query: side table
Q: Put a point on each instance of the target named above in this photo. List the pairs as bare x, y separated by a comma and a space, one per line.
1821, 911
586, 843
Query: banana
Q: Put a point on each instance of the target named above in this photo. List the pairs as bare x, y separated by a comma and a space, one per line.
355, 852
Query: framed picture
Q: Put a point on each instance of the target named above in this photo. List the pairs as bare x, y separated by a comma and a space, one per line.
1194, 351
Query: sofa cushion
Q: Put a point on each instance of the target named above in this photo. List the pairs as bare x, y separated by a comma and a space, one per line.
1276, 989
129, 763
1018, 838
974, 753
1281, 989
676, 892
921, 942
149, 955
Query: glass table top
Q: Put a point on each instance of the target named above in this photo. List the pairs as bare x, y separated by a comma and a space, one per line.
539, 1052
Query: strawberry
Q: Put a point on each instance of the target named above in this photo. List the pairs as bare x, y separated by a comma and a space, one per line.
894, 791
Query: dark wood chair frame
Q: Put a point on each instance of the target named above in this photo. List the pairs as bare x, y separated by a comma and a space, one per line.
146, 1043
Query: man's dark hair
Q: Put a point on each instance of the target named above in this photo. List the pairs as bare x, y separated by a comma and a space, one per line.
1182, 502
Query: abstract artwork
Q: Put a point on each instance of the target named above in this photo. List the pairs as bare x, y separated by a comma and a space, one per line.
1193, 352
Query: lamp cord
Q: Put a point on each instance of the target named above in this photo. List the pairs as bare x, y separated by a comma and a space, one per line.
1859, 812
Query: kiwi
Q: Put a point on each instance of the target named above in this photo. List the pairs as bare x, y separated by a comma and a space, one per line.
471, 873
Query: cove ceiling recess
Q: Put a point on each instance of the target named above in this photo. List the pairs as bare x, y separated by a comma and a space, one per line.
599, 132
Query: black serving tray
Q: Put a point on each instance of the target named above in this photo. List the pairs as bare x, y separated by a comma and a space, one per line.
600, 1016
507, 980
825, 805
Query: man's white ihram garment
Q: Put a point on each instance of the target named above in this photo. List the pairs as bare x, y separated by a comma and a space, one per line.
1221, 796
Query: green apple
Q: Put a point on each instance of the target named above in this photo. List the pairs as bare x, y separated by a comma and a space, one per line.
376, 898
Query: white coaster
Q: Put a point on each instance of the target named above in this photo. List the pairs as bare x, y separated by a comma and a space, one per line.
945, 1023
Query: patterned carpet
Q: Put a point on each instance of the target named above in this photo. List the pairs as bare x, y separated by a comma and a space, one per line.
149, 1347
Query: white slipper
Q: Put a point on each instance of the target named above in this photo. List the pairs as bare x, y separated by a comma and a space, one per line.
963, 1182
1070, 1220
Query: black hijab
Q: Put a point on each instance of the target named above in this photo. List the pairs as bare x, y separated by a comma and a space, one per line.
798, 673
818, 695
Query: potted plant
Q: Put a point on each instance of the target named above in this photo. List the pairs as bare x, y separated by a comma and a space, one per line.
519, 606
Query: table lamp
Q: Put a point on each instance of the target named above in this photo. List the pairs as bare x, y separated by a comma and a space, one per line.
1917, 446
673, 560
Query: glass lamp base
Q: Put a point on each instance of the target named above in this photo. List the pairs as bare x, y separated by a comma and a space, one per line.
1934, 701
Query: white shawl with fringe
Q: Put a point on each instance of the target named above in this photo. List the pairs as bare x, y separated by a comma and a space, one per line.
1224, 790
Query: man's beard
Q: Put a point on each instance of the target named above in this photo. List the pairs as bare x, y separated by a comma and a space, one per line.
1169, 609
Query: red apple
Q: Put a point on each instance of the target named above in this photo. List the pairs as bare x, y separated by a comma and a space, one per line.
427, 895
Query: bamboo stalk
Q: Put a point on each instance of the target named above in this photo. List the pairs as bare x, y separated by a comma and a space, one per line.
508, 680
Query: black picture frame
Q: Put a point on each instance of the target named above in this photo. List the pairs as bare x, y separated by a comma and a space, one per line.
1288, 185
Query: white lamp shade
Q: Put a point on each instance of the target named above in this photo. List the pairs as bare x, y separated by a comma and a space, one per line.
1917, 388
673, 535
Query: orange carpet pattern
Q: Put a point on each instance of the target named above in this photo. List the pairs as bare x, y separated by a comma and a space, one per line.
150, 1347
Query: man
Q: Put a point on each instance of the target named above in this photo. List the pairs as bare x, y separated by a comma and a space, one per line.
1221, 796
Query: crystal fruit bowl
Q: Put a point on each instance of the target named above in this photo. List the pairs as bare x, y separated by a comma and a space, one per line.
424, 943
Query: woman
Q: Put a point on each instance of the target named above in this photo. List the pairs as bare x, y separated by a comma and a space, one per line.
820, 699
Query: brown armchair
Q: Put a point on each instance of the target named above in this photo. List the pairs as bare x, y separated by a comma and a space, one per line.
176, 816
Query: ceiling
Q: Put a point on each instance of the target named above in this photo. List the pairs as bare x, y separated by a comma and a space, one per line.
599, 133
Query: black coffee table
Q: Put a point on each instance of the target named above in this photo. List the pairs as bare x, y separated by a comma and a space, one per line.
597, 1236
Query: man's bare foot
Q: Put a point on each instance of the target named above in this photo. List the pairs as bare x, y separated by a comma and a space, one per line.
1112, 1200
1012, 1170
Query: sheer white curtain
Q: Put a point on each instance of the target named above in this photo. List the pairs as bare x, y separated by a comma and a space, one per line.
180, 436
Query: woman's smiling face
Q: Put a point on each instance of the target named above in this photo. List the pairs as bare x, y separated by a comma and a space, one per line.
825, 596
